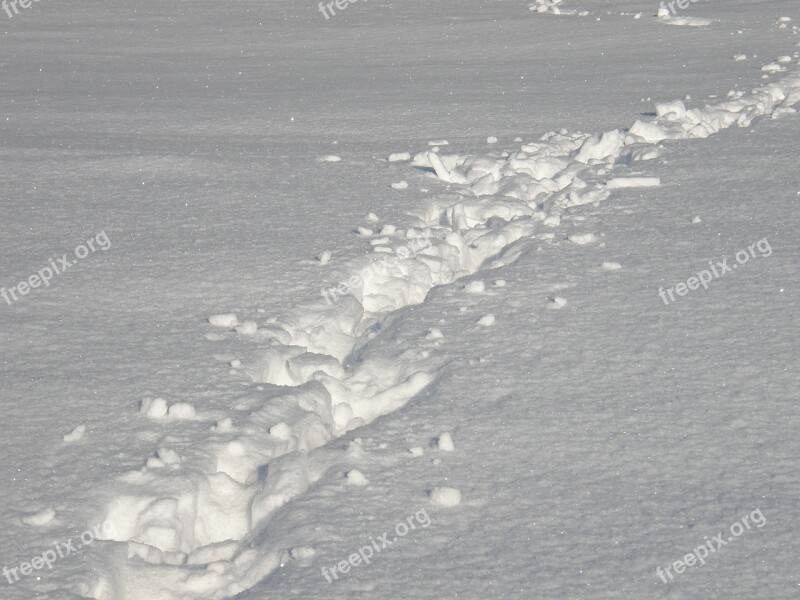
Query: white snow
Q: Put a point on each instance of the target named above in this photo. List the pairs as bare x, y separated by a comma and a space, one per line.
581, 239
153, 407
487, 320
602, 431
76, 434
356, 477
445, 442
447, 497
227, 321
38, 519
475, 287
181, 410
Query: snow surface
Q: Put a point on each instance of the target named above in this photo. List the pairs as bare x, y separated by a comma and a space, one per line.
261, 376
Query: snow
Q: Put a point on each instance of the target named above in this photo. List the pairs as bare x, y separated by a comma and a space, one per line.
226, 321
445, 442
594, 443
445, 496
154, 407
181, 410
487, 320
40, 518
75, 434
356, 477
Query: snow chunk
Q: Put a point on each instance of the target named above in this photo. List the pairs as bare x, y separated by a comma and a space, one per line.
324, 257
154, 408
400, 185
487, 320
611, 266
632, 182
416, 451
76, 434
475, 287
330, 158
399, 157
671, 110
227, 320
557, 302
599, 147
356, 477
43, 517
445, 442
445, 496
581, 239
434, 334
181, 410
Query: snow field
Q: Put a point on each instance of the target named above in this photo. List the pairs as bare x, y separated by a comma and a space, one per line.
178, 519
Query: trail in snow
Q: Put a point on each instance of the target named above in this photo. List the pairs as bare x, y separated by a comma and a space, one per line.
199, 529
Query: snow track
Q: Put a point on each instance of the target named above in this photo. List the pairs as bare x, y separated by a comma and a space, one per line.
198, 529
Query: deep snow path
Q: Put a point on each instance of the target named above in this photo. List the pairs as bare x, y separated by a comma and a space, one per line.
196, 539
